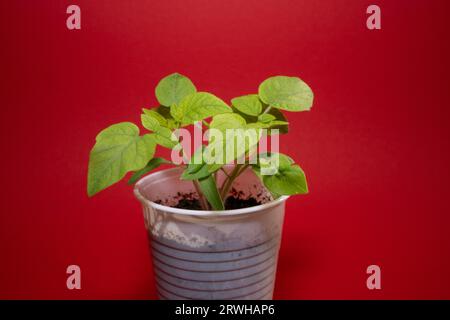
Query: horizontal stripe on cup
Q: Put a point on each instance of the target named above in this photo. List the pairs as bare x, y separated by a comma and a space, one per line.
160, 296
267, 295
217, 286
214, 276
215, 257
180, 266
215, 294
177, 278
210, 249
218, 266
170, 294
251, 296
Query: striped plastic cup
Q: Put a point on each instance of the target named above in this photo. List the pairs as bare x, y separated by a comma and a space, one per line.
229, 254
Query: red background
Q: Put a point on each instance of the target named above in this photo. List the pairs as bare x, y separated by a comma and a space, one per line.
375, 146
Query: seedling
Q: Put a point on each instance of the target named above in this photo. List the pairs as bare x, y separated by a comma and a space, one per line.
234, 137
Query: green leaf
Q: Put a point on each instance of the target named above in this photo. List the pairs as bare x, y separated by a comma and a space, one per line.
196, 168
254, 122
275, 123
289, 179
156, 115
173, 88
198, 106
267, 125
149, 122
266, 117
248, 104
151, 165
233, 144
279, 116
264, 159
209, 189
287, 93
177, 113
165, 112
195, 172
163, 136
227, 121
257, 125
118, 150
228, 150
248, 118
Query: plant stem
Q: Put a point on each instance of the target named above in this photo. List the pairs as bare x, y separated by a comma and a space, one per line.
267, 110
227, 179
242, 169
225, 172
228, 183
203, 203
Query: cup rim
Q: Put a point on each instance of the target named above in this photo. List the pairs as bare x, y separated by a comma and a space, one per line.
202, 213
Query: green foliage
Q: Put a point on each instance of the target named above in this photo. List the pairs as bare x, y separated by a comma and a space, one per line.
227, 121
289, 178
234, 144
209, 188
198, 106
173, 88
160, 113
286, 93
288, 181
279, 116
266, 118
261, 121
153, 113
151, 165
249, 104
163, 136
197, 168
120, 148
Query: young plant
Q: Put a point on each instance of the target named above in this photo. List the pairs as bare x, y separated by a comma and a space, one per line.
120, 148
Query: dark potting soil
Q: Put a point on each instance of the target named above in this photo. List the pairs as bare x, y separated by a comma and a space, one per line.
190, 204
237, 203
236, 200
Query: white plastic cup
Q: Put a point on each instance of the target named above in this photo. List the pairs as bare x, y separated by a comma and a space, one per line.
229, 254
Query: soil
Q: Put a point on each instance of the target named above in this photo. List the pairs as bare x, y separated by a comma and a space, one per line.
190, 204
236, 200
